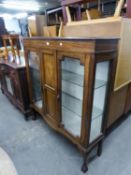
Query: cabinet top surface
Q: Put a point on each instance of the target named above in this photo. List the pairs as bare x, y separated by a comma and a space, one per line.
72, 38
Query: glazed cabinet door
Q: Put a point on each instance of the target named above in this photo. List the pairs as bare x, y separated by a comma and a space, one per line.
100, 93
34, 78
71, 83
49, 84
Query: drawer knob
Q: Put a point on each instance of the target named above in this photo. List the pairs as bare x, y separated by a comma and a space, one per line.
61, 44
47, 43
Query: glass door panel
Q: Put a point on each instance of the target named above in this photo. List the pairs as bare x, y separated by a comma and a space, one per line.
9, 85
72, 81
34, 71
100, 91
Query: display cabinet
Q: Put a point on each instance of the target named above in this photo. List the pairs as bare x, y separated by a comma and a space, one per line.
72, 80
14, 85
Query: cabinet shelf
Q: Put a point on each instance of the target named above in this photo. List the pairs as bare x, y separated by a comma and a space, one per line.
78, 79
73, 120
72, 77
96, 113
72, 89
75, 105
72, 103
99, 83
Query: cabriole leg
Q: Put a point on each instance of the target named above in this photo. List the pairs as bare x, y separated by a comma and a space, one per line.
26, 117
100, 145
84, 167
34, 115
2, 91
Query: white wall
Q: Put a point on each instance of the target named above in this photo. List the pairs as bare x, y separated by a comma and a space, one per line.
12, 25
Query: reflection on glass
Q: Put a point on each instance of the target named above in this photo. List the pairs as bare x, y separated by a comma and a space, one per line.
100, 89
72, 94
34, 63
9, 85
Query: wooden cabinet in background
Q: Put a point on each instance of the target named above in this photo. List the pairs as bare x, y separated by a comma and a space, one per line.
14, 85
117, 106
70, 81
128, 99
36, 24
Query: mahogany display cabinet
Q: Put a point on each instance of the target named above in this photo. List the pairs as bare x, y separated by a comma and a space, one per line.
14, 84
70, 81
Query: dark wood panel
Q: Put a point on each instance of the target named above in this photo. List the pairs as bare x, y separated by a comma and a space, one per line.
51, 105
117, 105
128, 99
18, 83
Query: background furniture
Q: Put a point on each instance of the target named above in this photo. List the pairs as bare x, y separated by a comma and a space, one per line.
12, 42
65, 3
53, 16
70, 81
88, 10
128, 9
14, 85
36, 24
3, 30
110, 27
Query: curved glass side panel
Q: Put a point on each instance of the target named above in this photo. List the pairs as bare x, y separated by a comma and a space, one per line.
99, 99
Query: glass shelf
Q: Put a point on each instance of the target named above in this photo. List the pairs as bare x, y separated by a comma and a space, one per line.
75, 105
96, 113
72, 65
77, 79
72, 89
72, 78
71, 103
99, 83
71, 121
